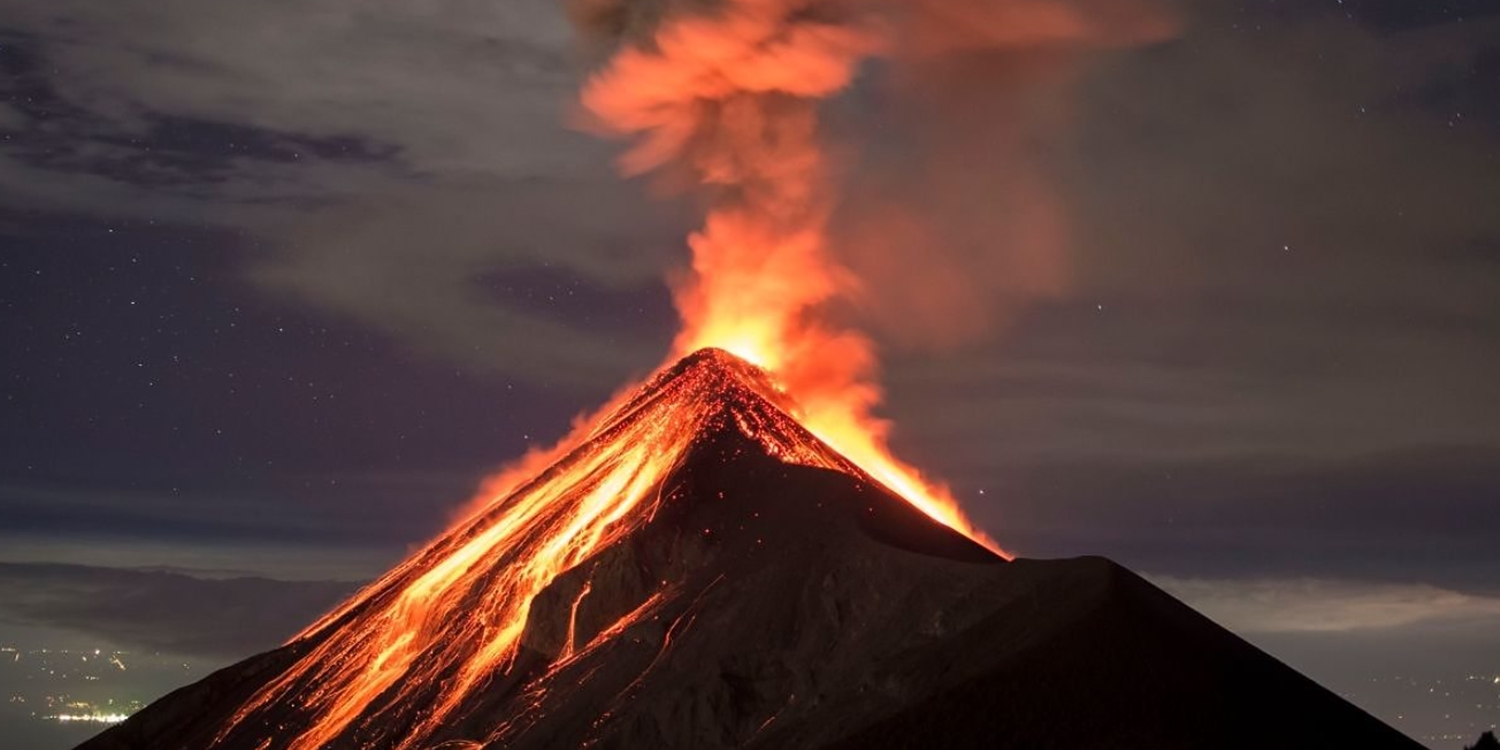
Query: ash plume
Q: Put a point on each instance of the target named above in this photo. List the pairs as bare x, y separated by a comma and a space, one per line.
724, 99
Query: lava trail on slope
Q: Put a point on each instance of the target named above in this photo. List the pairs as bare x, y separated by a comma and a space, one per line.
704, 573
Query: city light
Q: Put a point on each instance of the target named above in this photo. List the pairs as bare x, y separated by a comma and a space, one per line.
95, 718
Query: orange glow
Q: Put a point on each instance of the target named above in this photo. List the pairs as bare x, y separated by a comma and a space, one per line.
451, 617
453, 614
733, 97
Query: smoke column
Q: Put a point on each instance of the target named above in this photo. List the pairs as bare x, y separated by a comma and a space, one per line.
725, 97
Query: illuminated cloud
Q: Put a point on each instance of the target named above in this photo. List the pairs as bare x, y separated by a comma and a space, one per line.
1321, 605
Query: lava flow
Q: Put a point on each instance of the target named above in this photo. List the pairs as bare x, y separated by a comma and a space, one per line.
731, 98
703, 572
440, 627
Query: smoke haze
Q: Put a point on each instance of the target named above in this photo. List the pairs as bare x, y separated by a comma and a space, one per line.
932, 216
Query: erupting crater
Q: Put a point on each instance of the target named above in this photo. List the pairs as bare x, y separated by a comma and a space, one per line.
704, 572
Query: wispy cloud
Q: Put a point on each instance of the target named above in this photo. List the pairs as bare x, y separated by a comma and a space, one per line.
163, 611
389, 154
388, 157
1322, 605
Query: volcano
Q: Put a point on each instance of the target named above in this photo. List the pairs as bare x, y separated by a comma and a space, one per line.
702, 572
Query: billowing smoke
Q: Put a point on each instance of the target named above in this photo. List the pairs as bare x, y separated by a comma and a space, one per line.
950, 215
726, 98
935, 233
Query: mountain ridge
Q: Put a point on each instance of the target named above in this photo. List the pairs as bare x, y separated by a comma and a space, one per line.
759, 594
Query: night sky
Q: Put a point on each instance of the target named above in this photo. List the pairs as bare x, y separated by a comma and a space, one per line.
280, 282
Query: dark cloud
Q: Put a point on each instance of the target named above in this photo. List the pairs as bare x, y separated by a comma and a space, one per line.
282, 280
1385, 14
163, 611
1418, 656
1418, 517
419, 151
1312, 605
1196, 161
138, 354
376, 510
49, 132
1283, 267
1278, 228
415, 262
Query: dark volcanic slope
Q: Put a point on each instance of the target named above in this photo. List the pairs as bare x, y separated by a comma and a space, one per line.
773, 605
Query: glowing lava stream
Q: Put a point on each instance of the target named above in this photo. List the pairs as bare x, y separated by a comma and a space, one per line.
451, 618
731, 96
842, 420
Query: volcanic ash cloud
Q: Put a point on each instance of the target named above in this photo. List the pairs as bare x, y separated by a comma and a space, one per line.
725, 100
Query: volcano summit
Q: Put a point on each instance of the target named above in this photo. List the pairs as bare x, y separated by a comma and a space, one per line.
704, 573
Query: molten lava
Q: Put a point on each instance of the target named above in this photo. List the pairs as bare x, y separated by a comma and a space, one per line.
621, 588
705, 573
443, 624
731, 97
